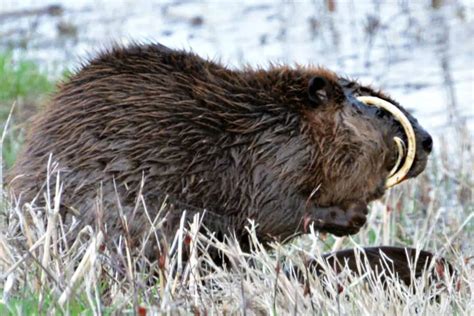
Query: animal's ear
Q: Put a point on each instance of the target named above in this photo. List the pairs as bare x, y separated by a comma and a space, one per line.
320, 91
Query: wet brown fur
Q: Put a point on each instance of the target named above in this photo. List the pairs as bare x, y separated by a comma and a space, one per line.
238, 143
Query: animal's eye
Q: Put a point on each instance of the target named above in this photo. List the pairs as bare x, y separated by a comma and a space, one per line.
382, 113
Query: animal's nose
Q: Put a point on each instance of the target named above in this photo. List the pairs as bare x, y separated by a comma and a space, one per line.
427, 143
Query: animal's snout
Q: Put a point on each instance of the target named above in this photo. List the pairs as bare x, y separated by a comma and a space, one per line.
427, 143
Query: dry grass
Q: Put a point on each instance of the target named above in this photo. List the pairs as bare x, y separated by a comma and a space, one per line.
41, 273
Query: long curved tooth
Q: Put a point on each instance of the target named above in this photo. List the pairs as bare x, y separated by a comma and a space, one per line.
399, 175
401, 153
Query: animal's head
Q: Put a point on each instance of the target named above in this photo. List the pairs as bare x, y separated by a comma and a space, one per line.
358, 145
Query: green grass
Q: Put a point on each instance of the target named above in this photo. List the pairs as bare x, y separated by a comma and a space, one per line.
21, 79
30, 304
21, 83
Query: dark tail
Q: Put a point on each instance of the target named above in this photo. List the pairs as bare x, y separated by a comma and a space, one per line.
406, 264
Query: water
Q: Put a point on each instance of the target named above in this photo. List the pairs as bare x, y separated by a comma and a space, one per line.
420, 55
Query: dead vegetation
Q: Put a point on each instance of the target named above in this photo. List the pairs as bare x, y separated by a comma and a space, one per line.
42, 274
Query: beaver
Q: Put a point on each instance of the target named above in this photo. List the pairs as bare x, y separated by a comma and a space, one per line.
284, 146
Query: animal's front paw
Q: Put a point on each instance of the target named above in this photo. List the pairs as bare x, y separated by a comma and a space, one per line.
340, 221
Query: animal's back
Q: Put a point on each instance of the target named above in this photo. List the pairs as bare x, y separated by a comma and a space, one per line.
112, 117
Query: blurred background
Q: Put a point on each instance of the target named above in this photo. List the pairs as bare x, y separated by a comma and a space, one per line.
420, 52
